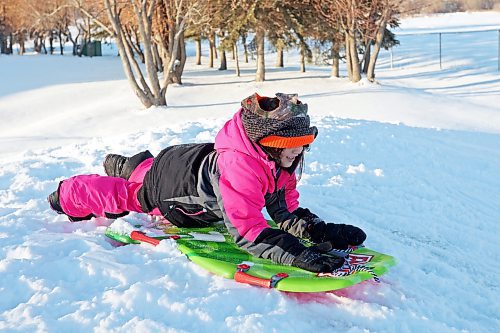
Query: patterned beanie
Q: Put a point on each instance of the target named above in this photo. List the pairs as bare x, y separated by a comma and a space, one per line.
279, 122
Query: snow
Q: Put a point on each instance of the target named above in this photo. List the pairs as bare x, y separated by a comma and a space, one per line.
413, 160
462, 21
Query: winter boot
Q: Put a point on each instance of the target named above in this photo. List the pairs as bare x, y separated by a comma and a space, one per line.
113, 164
54, 203
122, 167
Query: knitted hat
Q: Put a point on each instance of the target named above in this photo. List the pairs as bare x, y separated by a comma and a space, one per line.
279, 122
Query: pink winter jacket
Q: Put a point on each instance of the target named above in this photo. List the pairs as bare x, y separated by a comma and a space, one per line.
246, 177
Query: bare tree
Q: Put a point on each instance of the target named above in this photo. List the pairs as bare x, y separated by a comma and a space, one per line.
61, 22
223, 45
161, 25
173, 19
6, 26
230, 25
245, 46
344, 14
280, 47
149, 94
13, 25
297, 22
260, 74
382, 13
133, 39
363, 23
197, 41
255, 16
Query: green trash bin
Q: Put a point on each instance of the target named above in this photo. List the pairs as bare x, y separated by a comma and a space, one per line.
92, 49
97, 48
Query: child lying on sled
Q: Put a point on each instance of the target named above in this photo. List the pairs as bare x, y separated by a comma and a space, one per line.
254, 163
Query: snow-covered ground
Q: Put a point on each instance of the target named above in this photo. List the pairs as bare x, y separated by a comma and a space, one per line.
413, 160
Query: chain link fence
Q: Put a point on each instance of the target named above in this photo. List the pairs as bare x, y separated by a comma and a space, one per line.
477, 49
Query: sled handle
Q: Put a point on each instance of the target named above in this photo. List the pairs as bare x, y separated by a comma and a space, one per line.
139, 236
242, 276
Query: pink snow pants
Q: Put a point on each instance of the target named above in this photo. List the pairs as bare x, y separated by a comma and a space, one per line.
82, 195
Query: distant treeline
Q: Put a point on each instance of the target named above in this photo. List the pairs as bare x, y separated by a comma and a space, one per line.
412, 7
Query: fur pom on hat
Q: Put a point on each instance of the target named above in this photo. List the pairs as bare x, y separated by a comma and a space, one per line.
279, 122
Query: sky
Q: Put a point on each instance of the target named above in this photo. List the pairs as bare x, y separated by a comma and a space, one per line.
412, 159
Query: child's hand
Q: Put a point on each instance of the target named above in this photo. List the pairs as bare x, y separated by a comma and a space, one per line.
352, 235
339, 235
314, 259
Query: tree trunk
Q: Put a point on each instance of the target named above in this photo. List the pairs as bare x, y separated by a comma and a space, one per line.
51, 43
10, 45
134, 43
223, 61
175, 60
366, 56
9, 41
260, 74
302, 58
352, 58
370, 73
214, 45
335, 58
146, 95
211, 54
36, 44
22, 48
157, 59
128, 61
42, 46
83, 43
279, 57
181, 60
348, 56
144, 20
173, 71
198, 50
73, 41
3, 44
61, 44
235, 48
245, 48
356, 70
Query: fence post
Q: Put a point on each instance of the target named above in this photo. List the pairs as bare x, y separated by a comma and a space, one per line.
440, 66
498, 50
393, 63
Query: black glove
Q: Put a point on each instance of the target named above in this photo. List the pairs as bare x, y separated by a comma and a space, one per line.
314, 259
339, 235
306, 215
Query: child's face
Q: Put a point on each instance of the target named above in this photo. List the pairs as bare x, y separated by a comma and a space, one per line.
288, 155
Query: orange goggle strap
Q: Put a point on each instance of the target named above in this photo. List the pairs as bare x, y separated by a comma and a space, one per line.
277, 141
